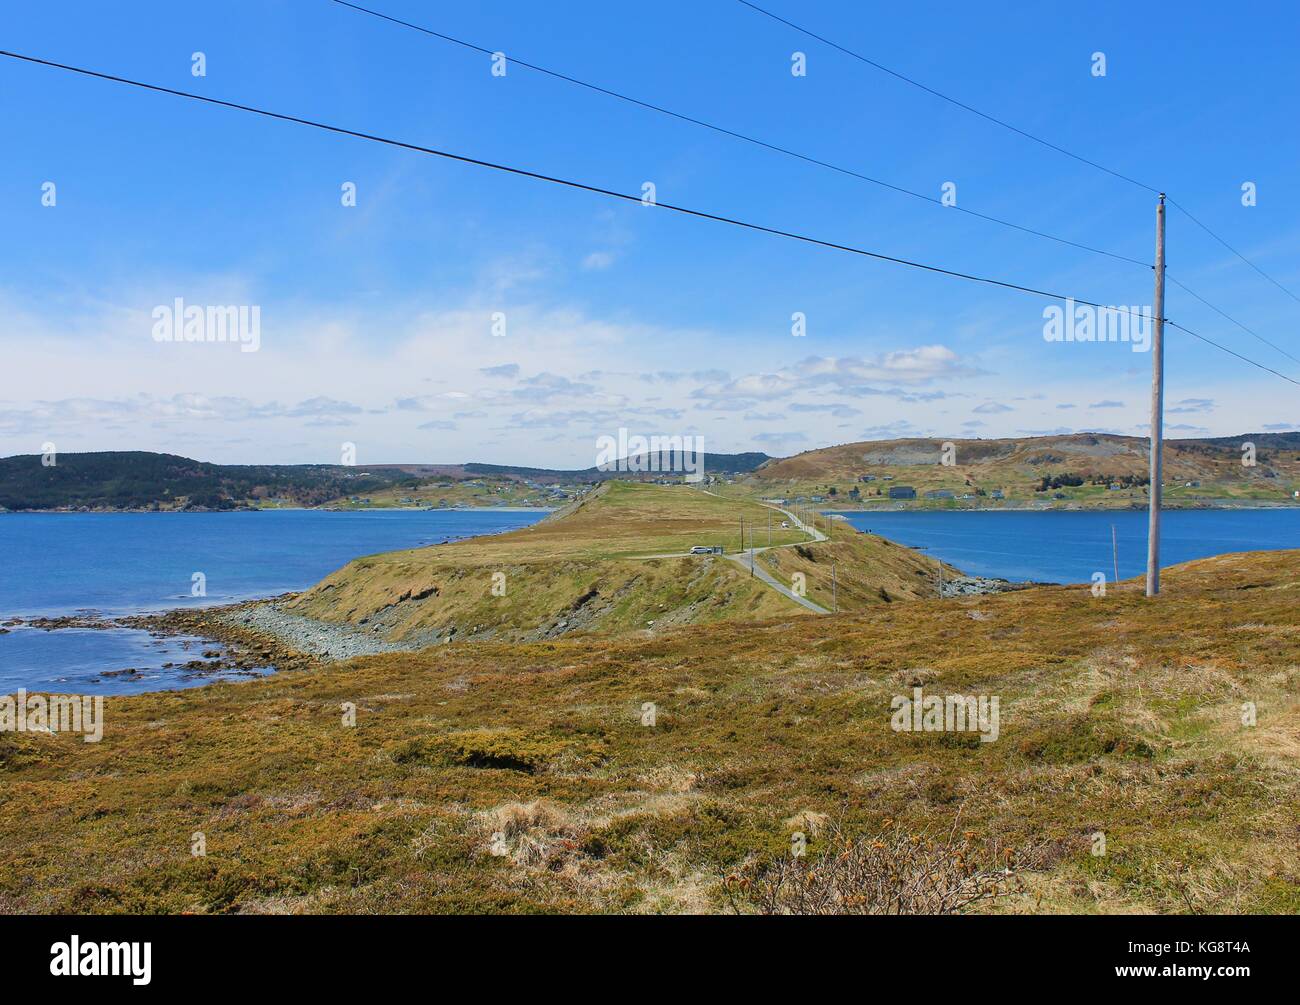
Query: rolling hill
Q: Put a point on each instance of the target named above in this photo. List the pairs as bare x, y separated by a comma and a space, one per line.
1085, 468
141, 480
114, 480
612, 563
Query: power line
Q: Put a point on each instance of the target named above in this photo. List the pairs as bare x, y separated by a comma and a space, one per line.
1224, 314
1216, 345
582, 186
567, 183
1015, 129
776, 148
1186, 213
951, 100
831, 166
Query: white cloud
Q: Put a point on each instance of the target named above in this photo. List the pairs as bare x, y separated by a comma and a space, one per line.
598, 260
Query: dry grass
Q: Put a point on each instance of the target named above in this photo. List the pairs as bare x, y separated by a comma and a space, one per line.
1119, 716
894, 871
571, 573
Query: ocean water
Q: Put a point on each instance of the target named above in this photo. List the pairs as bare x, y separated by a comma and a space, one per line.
129, 563
1059, 546
105, 661
113, 564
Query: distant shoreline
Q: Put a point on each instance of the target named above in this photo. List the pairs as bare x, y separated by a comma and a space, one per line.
821, 508
288, 509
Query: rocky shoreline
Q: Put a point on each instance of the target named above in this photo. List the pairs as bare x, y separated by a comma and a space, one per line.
305, 636
257, 635
972, 586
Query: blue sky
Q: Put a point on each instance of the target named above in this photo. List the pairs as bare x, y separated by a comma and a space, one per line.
376, 319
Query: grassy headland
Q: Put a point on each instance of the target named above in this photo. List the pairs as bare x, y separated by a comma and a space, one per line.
611, 563
492, 777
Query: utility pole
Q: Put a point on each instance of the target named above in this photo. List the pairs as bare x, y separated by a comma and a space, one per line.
1157, 407
835, 595
1114, 554
769, 528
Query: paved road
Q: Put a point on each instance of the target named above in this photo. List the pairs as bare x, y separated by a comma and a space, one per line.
745, 559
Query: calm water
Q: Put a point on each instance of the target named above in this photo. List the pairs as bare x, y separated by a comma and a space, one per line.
1065, 547
128, 563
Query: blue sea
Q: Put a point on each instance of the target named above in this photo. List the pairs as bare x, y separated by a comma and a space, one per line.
1059, 546
128, 563
54, 564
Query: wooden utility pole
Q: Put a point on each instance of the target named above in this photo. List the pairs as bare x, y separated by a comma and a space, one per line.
835, 595
1114, 554
1157, 406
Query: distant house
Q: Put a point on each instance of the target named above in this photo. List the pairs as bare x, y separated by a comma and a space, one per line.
936, 494
867, 478
997, 494
818, 499
902, 492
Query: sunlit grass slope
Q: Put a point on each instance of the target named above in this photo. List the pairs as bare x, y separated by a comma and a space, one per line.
488, 777
584, 568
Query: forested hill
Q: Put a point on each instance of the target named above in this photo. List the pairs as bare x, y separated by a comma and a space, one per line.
137, 479
638, 464
141, 480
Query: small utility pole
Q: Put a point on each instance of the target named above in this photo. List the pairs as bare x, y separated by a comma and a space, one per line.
835, 595
769, 528
1114, 554
1157, 406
